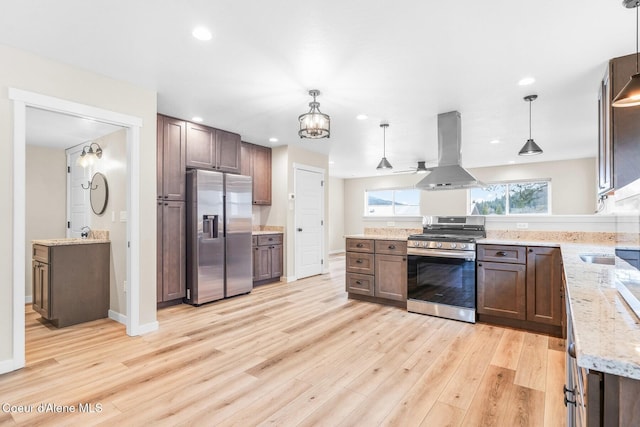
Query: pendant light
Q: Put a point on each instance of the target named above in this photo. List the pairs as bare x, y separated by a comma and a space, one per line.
530, 148
629, 96
384, 163
314, 124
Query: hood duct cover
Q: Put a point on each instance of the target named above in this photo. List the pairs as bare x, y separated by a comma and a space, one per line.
449, 175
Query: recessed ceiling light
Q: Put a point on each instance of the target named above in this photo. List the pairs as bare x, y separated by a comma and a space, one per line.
526, 81
494, 141
196, 119
362, 117
201, 33
273, 139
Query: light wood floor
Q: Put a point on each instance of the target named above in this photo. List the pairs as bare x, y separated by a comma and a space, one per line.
290, 354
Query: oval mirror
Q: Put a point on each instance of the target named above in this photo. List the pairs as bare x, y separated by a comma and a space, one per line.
99, 193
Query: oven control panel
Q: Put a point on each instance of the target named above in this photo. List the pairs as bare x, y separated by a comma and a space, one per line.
441, 245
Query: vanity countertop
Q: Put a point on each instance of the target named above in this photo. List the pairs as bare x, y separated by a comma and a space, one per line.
607, 331
68, 241
263, 232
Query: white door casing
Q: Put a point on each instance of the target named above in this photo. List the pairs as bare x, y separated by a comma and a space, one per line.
78, 214
309, 220
21, 100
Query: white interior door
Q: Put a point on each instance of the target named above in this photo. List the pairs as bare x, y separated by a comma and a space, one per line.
309, 221
78, 214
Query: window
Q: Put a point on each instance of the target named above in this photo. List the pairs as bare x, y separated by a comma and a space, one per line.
398, 202
511, 198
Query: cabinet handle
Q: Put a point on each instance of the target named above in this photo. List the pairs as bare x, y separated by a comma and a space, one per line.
166, 197
480, 264
256, 249
501, 253
359, 261
392, 246
359, 245
404, 259
530, 250
270, 239
358, 282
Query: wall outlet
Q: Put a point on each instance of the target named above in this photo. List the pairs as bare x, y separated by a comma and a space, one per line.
391, 223
522, 225
124, 285
123, 216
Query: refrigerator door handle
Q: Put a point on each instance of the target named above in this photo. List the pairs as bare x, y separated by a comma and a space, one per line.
210, 226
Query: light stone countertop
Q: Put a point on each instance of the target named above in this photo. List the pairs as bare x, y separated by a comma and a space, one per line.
263, 232
68, 241
607, 331
376, 237
490, 241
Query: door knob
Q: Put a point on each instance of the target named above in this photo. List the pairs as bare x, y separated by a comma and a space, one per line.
299, 229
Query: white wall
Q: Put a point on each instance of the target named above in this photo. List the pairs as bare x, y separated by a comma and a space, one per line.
573, 184
335, 222
32, 73
113, 165
46, 192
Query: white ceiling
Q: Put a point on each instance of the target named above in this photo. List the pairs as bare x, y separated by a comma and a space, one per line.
56, 130
401, 61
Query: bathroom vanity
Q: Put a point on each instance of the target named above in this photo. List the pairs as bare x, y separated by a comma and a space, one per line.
71, 280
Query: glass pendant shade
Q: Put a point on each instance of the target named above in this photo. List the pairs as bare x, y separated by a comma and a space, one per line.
629, 96
314, 124
88, 156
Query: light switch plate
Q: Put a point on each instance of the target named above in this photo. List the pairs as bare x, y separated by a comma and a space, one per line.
123, 216
522, 225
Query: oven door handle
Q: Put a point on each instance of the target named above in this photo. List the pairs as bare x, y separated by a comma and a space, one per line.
468, 255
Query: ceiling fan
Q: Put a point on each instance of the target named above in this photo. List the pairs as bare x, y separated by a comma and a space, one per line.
421, 168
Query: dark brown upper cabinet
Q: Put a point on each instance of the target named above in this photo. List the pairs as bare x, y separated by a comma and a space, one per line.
209, 148
170, 156
256, 163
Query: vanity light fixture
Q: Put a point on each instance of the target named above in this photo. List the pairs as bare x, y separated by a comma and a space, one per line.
629, 96
384, 163
530, 148
314, 124
89, 155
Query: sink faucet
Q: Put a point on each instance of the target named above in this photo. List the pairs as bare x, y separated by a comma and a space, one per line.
84, 232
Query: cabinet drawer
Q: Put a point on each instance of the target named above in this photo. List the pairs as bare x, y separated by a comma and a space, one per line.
391, 247
498, 253
360, 263
41, 253
360, 245
362, 284
270, 239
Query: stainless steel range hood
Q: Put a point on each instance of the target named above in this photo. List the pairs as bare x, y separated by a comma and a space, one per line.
449, 175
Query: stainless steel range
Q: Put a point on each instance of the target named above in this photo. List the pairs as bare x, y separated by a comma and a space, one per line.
441, 269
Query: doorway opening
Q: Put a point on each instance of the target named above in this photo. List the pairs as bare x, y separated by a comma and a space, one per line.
21, 100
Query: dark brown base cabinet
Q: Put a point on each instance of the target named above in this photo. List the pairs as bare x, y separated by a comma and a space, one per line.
521, 287
377, 271
267, 258
70, 283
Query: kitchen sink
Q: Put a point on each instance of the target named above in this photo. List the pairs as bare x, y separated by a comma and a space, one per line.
606, 259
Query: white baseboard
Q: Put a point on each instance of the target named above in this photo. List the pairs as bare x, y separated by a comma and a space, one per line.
28, 299
288, 279
337, 251
7, 366
118, 317
148, 327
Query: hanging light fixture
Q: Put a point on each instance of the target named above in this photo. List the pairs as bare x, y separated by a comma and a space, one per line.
384, 163
629, 96
89, 155
314, 124
530, 148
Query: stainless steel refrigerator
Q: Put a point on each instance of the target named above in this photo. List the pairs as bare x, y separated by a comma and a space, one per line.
219, 259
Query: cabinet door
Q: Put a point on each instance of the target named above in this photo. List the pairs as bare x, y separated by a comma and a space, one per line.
159, 157
201, 147
625, 132
45, 290
227, 151
256, 263
264, 263
246, 163
36, 286
261, 163
159, 252
391, 277
544, 285
501, 289
174, 251
276, 261
173, 159
605, 160
362, 284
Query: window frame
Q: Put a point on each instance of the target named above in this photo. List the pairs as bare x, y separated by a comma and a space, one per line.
515, 181
367, 215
